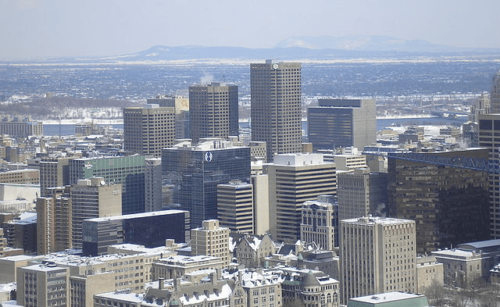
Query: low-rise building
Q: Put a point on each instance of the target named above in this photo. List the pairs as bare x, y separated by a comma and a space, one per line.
251, 251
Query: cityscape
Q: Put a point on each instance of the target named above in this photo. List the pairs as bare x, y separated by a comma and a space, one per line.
249, 153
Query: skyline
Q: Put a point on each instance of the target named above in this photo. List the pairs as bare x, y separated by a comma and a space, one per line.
49, 28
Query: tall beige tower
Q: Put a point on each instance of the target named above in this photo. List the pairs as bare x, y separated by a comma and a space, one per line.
293, 180
276, 113
148, 130
235, 208
93, 198
43, 286
213, 111
211, 240
377, 255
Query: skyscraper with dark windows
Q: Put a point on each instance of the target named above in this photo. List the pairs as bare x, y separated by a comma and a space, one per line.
213, 111
276, 114
495, 94
194, 171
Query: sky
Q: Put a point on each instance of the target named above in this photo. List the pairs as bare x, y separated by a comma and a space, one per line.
52, 28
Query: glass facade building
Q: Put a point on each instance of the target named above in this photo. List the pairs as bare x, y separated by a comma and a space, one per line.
128, 170
195, 171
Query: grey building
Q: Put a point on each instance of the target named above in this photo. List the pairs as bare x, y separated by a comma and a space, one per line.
342, 123
276, 113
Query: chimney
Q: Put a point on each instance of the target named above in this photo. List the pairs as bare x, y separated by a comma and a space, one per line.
160, 283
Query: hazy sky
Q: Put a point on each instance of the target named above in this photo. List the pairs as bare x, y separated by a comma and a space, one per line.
39, 28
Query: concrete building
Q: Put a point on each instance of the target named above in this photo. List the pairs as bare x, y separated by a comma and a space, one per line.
148, 130
342, 123
449, 204
21, 232
177, 266
93, 198
489, 137
153, 196
194, 171
262, 289
293, 180
54, 172
150, 229
429, 273
211, 240
377, 255
42, 286
126, 170
20, 126
213, 111
276, 114
495, 94
54, 221
260, 185
235, 208
319, 222
361, 193
181, 105
389, 299
24, 176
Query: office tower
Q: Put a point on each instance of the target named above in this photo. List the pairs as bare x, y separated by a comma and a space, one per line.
235, 206
361, 193
342, 123
495, 94
54, 221
150, 229
23, 127
43, 286
127, 170
213, 111
211, 240
377, 255
293, 180
181, 105
93, 198
22, 176
149, 129
54, 172
21, 232
260, 183
318, 222
449, 204
152, 185
194, 171
489, 137
276, 113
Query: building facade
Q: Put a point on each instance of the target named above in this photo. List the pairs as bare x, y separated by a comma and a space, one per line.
318, 223
195, 171
148, 130
276, 113
42, 286
377, 255
211, 240
293, 180
213, 111
495, 94
342, 123
235, 208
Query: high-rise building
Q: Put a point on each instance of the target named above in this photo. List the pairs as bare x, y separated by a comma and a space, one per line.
449, 204
293, 180
235, 206
195, 171
260, 183
43, 286
495, 94
127, 170
377, 255
181, 105
54, 172
93, 198
149, 129
361, 193
276, 113
318, 222
54, 221
489, 137
211, 240
213, 111
149, 229
153, 185
21, 232
342, 123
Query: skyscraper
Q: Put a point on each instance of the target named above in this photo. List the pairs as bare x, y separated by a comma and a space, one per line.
495, 94
147, 130
377, 255
194, 171
213, 111
318, 221
342, 123
235, 206
276, 113
294, 179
